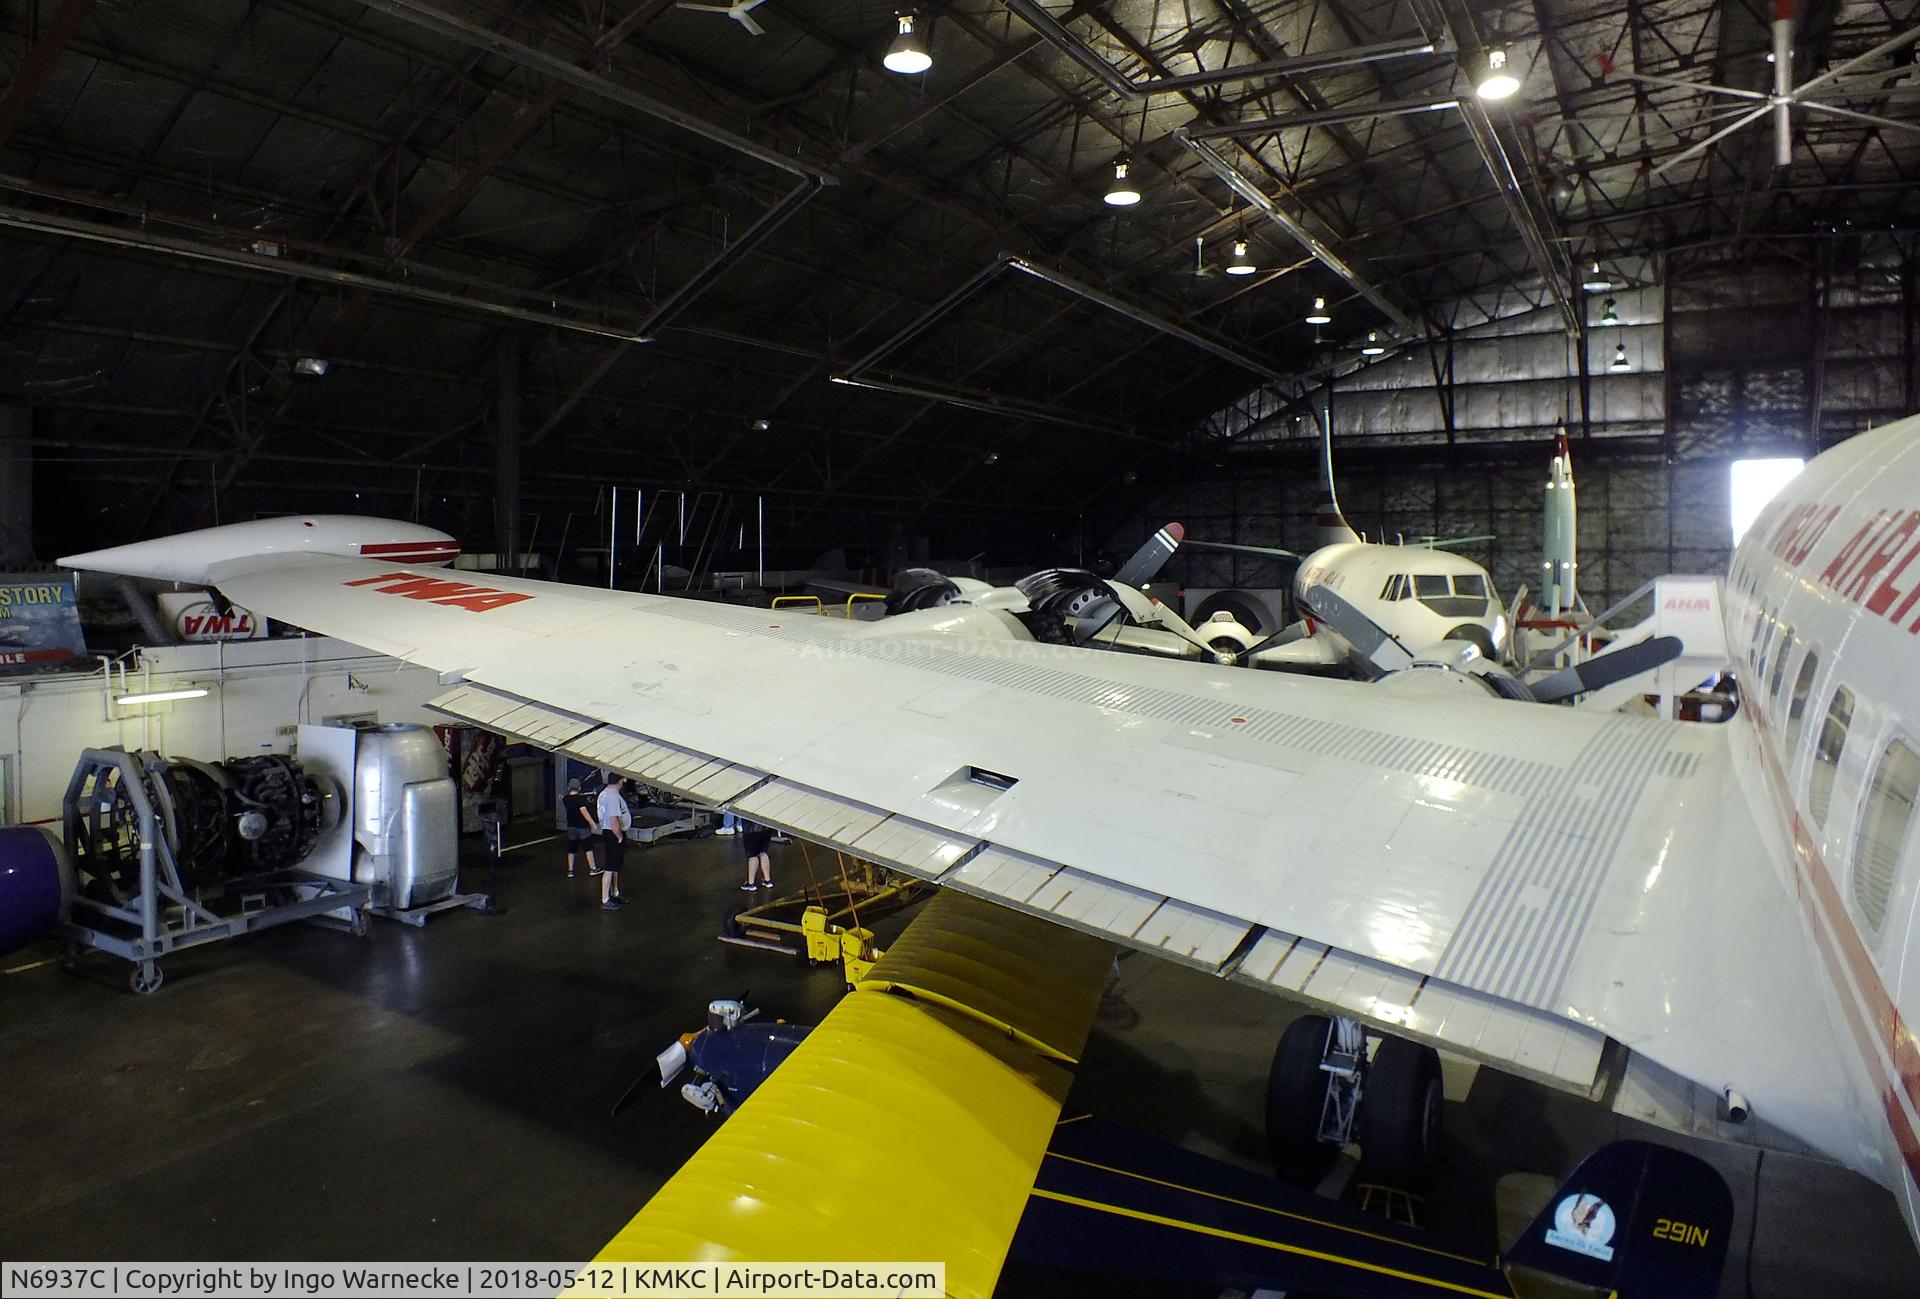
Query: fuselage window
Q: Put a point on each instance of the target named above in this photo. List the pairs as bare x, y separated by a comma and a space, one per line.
1780, 666
1797, 709
1884, 821
1769, 643
1753, 641
1826, 753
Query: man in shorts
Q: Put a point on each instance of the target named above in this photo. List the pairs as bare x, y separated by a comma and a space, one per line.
615, 816
755, 841
582, 829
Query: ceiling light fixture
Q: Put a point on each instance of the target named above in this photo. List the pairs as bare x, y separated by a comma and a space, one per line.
1373, 346
1242, 263
1608, 316
1319, 315
310, 367
1619, 364
1597, 281
1499, 82
1121, 193
908, 53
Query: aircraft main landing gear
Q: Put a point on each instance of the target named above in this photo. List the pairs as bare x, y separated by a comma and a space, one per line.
1325, 1092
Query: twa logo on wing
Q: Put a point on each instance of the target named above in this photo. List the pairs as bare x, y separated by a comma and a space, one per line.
439, 590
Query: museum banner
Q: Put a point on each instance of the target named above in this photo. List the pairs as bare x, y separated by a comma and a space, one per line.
39, 622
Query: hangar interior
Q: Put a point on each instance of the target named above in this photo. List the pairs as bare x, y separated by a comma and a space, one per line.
739, 304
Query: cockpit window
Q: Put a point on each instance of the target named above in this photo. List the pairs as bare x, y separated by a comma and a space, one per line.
1396, 588
1430, 586
1469, 584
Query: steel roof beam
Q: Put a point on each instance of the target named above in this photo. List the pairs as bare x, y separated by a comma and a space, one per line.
1319, 250
1323, 117
37, 66
1051, 30
441, 23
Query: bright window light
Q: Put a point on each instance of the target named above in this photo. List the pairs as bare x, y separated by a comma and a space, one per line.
1754, 483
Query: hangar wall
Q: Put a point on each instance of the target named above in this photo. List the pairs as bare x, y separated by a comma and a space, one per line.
1453, 439
259, 691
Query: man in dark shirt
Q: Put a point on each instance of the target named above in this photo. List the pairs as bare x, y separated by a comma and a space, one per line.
581, 827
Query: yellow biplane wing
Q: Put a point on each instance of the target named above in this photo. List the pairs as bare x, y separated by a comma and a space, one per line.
909, 1125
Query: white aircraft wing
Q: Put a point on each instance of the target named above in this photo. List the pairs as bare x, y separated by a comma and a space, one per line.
1520, 884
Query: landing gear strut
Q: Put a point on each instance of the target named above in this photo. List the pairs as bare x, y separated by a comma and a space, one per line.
1324, 1093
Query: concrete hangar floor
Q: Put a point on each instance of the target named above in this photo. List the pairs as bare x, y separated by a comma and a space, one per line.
444, 1093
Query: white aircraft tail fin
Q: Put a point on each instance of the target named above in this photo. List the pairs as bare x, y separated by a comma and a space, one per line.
1332, 525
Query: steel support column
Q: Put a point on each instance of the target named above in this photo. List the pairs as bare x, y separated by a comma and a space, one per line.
506, 454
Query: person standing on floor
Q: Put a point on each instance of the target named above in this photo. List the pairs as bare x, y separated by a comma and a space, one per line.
581, 827
615, 818
756, 841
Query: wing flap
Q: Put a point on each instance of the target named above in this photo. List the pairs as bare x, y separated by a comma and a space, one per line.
1536, 1044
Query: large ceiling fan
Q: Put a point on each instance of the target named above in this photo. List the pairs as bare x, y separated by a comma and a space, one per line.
741, 12
1785, 96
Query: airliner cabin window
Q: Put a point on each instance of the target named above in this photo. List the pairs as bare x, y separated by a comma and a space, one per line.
1826, 753
1780, 666
1883, 832
1797, 709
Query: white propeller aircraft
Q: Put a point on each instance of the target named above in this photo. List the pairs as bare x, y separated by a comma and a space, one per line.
1679, 920
1420, 595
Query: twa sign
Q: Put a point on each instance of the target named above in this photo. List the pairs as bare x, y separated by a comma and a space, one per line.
440, 590
196, 618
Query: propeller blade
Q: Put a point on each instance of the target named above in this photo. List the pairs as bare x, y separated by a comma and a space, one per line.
746, 20
1615, 665
1288, 634
1268, 552
632, 1093
1378, 651
1147, 561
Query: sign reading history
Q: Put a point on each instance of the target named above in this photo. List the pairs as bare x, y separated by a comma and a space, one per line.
39, 622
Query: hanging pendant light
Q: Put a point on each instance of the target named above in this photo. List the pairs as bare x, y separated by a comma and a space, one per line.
1318, 314
1498, 82
1373, 346
1619, 364
1597, 281
1242, 262
1121, 193
1608, 316
908, 53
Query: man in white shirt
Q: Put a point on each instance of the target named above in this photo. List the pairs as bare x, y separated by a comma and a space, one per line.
615, 819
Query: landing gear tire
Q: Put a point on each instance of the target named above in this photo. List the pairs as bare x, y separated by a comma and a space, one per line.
1296, 1095
145, 979
1402, 1112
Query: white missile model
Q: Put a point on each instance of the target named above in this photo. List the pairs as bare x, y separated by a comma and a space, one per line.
1559, 566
